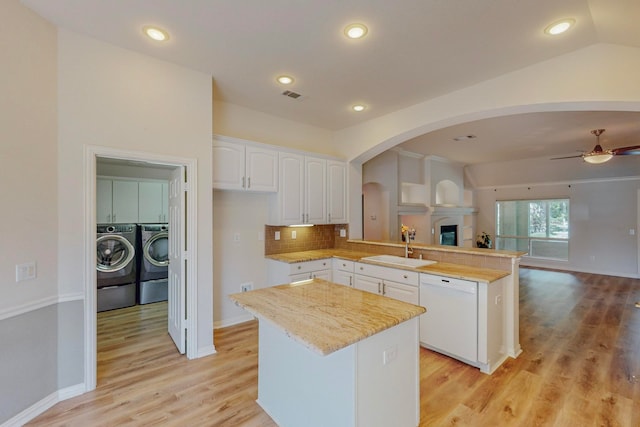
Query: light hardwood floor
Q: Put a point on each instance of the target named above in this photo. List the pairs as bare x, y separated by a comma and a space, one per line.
580, 367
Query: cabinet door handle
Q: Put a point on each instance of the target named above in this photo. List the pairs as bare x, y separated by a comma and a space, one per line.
249, 182
324, 263
361, 268
243, 182
379, 286
351, 281
299, 267
405, 276
114, 218
384, 288
108, 217
329, 217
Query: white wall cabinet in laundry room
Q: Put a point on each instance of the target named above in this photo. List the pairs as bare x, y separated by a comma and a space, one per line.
153, 202
116, 201
242, 165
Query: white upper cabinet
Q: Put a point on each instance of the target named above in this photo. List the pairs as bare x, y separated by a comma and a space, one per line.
315, 184
153, 202
312, 190
336, 192
116, 201
239, 166
289, 208
104, 200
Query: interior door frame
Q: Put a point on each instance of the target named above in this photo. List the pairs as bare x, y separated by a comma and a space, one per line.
91, 154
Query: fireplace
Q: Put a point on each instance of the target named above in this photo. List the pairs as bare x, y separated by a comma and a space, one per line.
449, 235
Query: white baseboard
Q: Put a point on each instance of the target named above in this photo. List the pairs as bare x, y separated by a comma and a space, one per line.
529, 263
207, 351
232, 321
39, 407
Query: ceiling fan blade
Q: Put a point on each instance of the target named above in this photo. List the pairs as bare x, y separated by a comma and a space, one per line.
567, 157
626, 151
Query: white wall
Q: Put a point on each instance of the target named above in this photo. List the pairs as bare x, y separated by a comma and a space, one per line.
29, 310
113, 97
601, 215
28, 153
234, 262
245, 123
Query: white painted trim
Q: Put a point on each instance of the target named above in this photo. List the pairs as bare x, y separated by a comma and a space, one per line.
43, 404
38, 304
232, 321
547, 184
207, 351
91, 153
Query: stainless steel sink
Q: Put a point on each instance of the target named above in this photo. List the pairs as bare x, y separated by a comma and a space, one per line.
393, 260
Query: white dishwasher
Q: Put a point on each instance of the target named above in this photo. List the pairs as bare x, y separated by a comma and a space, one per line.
450, 325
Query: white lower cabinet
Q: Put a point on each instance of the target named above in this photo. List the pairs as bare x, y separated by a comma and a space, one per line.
283, 272
391, 282
342, 273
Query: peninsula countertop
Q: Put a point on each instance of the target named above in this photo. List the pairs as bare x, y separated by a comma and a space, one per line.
457, 271
323, 316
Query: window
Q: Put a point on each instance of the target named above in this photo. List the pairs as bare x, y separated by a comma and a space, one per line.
539, 227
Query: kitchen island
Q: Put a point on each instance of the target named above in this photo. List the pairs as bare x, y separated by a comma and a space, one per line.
330, 355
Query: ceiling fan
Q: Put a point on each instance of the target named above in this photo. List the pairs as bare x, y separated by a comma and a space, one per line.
599, 155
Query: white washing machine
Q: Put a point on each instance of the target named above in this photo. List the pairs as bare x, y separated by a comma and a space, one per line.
154, 263
116, 265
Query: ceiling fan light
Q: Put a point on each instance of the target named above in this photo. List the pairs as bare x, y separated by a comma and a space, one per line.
596, 159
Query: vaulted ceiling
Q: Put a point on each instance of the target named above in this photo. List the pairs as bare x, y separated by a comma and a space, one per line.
414, 50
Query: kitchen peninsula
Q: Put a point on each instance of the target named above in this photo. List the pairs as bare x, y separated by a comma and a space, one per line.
332, 355
496, 273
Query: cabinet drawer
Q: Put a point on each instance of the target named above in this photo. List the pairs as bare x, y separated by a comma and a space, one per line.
343, 265
386, 273
308, 266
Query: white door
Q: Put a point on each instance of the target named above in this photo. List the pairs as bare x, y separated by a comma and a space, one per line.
369, 284
150, 202
261, 169
315, 190
336, 192
228, 166
125, 201
291, 189
177, 285
402, 292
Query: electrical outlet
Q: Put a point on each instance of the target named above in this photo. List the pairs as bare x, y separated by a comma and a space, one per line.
498, 299
343, 232
389, 355
246, 287
236, 237
294, 234
277, 236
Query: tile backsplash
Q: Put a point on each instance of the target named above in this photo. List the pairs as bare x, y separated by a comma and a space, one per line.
307, 238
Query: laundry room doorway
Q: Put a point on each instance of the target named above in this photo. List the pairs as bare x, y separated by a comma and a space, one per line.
180, 219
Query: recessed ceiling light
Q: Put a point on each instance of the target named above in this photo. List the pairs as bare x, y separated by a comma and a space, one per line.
559, 27
355, 31
285, 80
156, 33
359, 107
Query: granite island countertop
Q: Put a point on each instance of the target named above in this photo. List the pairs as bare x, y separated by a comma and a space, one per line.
457, 271
324, 316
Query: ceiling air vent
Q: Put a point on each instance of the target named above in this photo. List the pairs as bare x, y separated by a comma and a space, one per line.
291, 94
